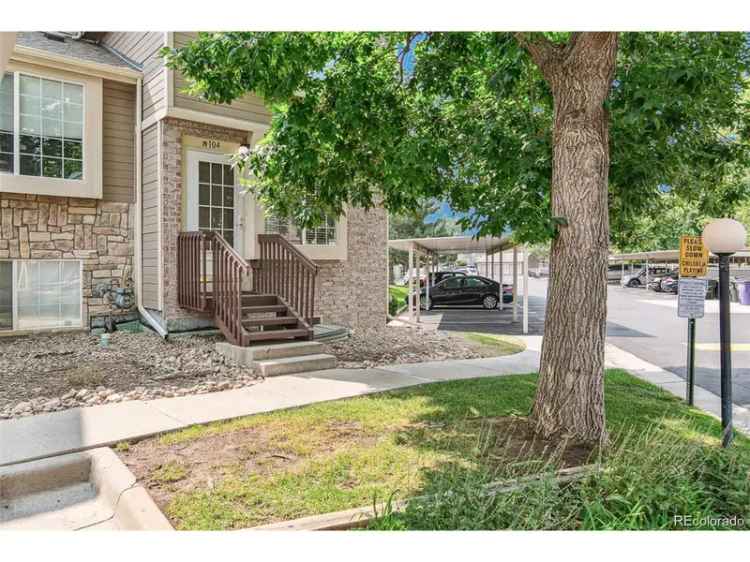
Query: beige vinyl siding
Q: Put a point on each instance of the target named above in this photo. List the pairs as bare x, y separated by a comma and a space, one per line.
248, 108
118, 158
142, 48
150, 218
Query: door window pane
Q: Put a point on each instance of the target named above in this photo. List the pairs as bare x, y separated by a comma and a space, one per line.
49, 294
204, 194
204, 172
228, 176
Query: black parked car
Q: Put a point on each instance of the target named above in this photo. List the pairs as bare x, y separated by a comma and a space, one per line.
469, 289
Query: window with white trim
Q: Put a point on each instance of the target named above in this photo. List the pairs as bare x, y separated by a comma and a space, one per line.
321, 235
40, 294
41, 127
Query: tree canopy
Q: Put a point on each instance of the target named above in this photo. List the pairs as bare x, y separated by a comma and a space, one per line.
467, 117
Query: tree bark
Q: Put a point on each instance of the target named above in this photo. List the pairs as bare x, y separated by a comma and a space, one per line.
570, 393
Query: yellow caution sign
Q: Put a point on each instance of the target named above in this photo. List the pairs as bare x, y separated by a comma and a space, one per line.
693, 257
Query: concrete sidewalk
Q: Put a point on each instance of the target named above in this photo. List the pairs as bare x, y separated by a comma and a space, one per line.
57, 433
46, 435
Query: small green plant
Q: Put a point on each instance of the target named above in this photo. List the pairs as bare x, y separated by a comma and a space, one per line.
122, 447
169, 472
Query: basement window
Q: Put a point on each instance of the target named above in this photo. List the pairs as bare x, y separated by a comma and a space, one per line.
40, 294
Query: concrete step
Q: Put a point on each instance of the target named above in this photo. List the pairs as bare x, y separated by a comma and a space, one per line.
278, 321
278, 335
290, 365
263, 308
260, 352
258, 300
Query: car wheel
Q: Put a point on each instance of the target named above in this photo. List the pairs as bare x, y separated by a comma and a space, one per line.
489, 302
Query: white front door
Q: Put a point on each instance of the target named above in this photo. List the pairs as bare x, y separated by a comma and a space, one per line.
212, 197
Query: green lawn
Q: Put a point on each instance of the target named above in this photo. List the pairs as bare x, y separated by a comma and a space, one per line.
397, 298
348, 453
499, 343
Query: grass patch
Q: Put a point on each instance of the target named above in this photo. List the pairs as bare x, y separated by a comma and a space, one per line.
338, 455
170, 472
397, 298
498, 343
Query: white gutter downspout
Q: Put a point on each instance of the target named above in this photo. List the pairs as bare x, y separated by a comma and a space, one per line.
145, 314
7, 44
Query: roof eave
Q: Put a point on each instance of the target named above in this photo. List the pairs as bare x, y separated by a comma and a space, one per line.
39, 56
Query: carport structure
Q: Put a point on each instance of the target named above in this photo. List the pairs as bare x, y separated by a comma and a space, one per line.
666, 257
424, 254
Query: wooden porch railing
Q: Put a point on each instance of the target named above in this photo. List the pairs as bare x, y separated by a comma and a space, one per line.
230, 269
198, 254
212, 277
192, 275
285, 271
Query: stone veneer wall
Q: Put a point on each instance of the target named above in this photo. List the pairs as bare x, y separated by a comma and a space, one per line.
173, 130
99, 233
353, 293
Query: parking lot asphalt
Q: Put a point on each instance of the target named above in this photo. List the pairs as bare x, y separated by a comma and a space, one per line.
642, 322
645, 323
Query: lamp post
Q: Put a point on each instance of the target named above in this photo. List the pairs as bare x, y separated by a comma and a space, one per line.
724, 237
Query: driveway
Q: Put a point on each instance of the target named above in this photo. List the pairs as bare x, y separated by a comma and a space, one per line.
642, 322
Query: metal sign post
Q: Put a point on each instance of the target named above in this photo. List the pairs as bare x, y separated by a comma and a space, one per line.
691, 301
691, 361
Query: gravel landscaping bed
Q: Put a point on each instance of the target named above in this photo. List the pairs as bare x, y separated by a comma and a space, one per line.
404, 345
60, 371
48, 373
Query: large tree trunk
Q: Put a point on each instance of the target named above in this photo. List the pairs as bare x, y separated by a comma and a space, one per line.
570, 394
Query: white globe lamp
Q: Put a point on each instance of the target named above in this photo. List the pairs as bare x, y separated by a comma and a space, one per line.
724, 236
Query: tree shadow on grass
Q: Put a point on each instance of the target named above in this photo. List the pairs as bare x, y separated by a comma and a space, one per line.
485, 437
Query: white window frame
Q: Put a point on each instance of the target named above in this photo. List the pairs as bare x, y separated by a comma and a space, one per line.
14, 288
303, 234
337, 251
17, 124
91, 185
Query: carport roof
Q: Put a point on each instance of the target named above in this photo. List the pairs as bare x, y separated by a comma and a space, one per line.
664, 255
489, 244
